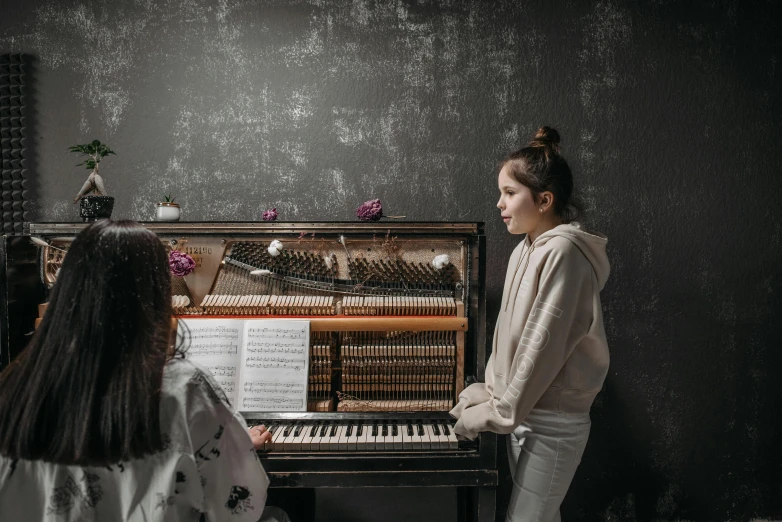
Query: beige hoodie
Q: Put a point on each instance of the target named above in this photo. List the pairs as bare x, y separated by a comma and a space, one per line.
549, 350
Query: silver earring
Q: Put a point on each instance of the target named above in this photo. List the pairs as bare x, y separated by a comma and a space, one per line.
541, 209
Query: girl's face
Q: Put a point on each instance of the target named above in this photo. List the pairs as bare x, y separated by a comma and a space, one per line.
517, 204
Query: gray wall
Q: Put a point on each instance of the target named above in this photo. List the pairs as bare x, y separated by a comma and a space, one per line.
670, 116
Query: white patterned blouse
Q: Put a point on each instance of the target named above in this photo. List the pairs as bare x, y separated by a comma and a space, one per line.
208, 470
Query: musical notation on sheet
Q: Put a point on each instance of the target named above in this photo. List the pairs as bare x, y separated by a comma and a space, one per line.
275, 365
273, 387
225, 377
272, 403
216, 332
215, 344
215, 349
261, 364
298, 333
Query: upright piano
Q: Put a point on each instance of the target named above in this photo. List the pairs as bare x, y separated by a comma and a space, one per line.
397, 330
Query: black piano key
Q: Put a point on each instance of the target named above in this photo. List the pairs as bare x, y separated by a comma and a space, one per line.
394, 430
333, 430
297, 431
350, 429
409, 430
384, 433
287, 431
360, 430
435, 429
374, 430
420, 430
314, 431
446, 429
324, 430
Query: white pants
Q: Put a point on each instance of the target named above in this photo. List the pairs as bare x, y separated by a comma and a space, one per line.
544, 453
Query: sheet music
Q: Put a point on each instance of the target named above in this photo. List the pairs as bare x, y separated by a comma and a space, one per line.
215, 344
274, 365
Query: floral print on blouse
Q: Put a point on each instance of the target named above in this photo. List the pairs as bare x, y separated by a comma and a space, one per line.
208, 470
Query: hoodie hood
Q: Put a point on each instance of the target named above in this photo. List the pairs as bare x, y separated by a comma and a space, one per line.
591, 244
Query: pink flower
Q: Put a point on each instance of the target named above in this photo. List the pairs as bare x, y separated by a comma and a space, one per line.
270, 215
370, 210
180, 264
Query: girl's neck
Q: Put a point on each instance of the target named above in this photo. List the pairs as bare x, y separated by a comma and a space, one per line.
545, 224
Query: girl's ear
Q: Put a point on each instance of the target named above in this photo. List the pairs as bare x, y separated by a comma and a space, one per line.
546, 200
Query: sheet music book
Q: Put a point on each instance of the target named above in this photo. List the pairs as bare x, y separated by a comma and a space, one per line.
261, 364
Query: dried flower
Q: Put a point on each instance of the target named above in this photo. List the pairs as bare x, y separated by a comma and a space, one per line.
270, 215
328, 261
440, 261
275, 248
371, 210
344, 245
181, 264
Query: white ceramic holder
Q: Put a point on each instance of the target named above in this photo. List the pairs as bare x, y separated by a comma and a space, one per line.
167, 212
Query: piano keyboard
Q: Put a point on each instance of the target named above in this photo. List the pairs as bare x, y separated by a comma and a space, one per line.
362, 435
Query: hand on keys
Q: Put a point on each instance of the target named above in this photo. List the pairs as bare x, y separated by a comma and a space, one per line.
260, 436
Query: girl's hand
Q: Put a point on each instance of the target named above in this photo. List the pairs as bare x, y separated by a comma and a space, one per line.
260, 436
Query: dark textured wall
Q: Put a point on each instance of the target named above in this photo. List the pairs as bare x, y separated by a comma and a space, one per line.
670, 116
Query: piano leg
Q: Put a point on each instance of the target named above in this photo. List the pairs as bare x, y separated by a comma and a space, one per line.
476, 504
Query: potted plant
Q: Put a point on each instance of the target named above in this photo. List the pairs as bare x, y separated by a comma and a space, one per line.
94, 203
167, 210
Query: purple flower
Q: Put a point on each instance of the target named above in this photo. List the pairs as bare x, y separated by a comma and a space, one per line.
370, 210
270, 215
180, 264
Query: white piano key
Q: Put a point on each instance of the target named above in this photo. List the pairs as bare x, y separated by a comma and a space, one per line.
375, 437
407, 438
332, 439
453, 442
361, 439
343, 437
353, 438
442, 438
298, 440
277, 438
425, 442
315, 442
388, 439
321, 437
416, 440
398, 438
306, 440
434, 440
287, 442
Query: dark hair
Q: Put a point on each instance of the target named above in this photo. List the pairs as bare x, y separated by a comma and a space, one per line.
86, 390
541, 168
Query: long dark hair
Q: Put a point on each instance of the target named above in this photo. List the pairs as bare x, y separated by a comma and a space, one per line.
86, 390
540, 167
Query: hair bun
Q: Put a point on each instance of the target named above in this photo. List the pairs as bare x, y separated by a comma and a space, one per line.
546, 137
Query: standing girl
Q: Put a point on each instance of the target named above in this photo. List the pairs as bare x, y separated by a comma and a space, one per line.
549, 354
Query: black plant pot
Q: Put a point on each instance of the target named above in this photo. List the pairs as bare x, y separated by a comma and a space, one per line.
92, 208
